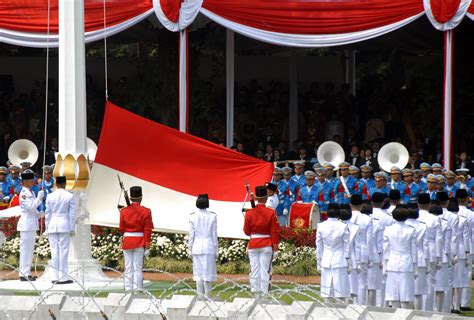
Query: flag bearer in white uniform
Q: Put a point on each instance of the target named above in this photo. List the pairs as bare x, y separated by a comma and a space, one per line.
60, 221
462, 196
432, 225
400, 257
422, 250
203, 245
345, 215
365, 242
28, 224
332, 253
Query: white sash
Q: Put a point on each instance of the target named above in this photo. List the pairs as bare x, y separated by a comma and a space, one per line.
341, 178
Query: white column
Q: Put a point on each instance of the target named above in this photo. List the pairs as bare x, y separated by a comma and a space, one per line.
448, 99
183, 80
230, 60
293, 103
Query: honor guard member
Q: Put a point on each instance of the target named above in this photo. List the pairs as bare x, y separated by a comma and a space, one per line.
272, 199
432, 234
354, 172
426, 170
333, 256
60, 222
422, 252
437, 169
432, 181
15, 179
28, 224
380, 185
310, 192
400, 260
291, 190
203, 246
395, 198
345, 216
364, 240
4, 186
453, 223
262, 227
326, 194
396, 182
136, 225
412, 189
450, 186
299, 176
345, 186
366, 182
417, 175
463, 199
443, 253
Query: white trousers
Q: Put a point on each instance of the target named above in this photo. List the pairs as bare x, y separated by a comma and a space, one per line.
27, 247
59, 243
260, 269
362, 295
133, 276
466, 292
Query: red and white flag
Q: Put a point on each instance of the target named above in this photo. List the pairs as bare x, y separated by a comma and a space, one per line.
172, 168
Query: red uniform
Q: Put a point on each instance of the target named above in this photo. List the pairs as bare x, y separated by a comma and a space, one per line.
262, 220
136, 218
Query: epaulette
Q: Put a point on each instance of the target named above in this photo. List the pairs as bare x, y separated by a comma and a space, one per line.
388, 213
411, 226
444, 219
375, 218
422, 222
192, 213
212, 212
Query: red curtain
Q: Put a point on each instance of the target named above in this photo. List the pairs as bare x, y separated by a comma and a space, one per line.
31, 15
314, 16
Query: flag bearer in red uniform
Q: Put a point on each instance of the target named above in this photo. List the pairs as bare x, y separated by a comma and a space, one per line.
262, 226
136, 226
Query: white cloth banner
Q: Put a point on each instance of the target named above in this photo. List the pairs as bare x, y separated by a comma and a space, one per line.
40, 40
448, 99
303, 40
451, 24
187, 13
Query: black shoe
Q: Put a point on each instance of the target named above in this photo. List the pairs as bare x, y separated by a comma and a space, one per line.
23, 278
31, 278
456, 311
466, 309
54, 281
64, 282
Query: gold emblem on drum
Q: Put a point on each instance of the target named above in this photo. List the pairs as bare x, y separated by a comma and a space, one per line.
298, 222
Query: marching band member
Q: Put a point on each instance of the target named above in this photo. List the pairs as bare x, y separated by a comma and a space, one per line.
332, 253
380, 185
396, 182
425, 170
202, 245
422, 250
28, 224
326, 194
451, 185
346, 185
136, 225
4, 186
432, 189
412, 189
262, 227
400, 260
366, 182
60, 222
299, 176
417, 175
290, 191
310, 192
365, 242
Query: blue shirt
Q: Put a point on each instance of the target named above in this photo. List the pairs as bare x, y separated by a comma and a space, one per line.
290, 192
364, 187
340, 192
327, 195
415, 189
5, 187
301, 180
309, 195
385, 190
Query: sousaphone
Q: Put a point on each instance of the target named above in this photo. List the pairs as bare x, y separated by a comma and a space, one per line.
393, 154
22, 150
330, 152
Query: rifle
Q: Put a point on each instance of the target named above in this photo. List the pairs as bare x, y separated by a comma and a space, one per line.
125, 193
249, 193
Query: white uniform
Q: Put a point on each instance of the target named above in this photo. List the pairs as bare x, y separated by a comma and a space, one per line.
432, 225
365, 240
466, 292
27, 226
332, 250
399, 243
380, 220
443, 251
203, 244
272, 202
462, 244
355, 254
60, 220
453, 221
422, 251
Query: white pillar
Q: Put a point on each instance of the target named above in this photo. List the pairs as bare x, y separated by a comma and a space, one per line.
183, 81
448, 98
230, 60
293, 103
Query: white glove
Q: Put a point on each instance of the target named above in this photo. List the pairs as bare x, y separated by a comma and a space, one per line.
467, 263
275, 255
190, 253
147, 253
318, 265
40, 195
41, 215
72, 233
349, 266
359, 268
450, 263
371, 264
285, 212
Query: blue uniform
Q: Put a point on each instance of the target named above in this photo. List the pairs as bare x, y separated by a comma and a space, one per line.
415, 189
451, 190
400, 186
291, 188
385, 190
364, 186
301, 180
326, 195
423, 186
432, 195
340, 192
47, 187
16, 185
309, 195
5, 187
